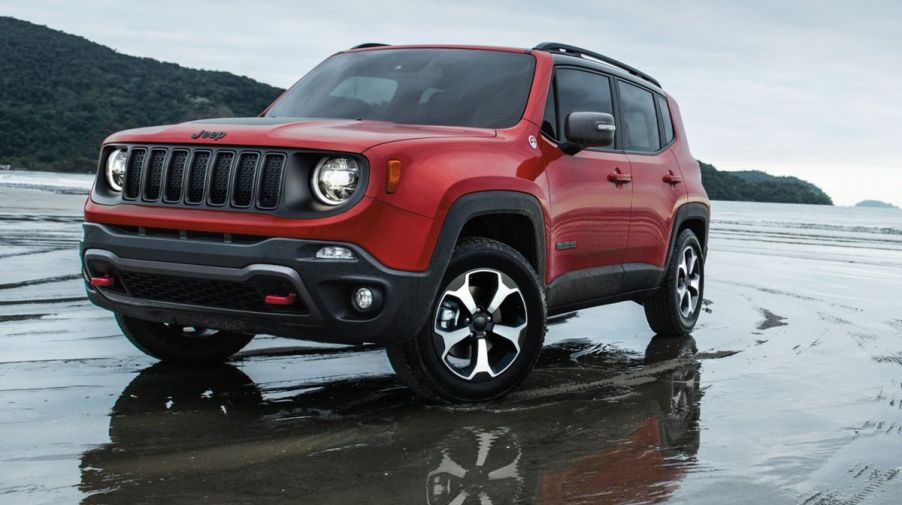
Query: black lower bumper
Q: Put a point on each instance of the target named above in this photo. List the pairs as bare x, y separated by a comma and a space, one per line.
216, 283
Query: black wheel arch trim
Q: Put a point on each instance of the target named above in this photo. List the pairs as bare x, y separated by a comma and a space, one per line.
485, 203
692, 211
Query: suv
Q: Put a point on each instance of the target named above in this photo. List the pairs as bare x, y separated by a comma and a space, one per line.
441, 201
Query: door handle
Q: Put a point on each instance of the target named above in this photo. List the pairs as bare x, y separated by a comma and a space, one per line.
618, 177
672, 178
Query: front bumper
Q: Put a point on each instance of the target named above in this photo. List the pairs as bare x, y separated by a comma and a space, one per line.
210, 281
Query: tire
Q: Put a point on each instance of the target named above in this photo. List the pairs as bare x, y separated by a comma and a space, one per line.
674, 308
178, 344
444, 361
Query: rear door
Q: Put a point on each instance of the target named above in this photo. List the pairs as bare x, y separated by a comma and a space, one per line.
657, 183
590, 215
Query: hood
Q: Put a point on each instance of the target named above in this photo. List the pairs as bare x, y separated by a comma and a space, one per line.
346, 135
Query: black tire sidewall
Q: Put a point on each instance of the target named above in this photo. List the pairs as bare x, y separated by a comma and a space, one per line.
531, 343
168, 344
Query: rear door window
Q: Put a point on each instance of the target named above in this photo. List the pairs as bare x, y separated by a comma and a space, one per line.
638, 118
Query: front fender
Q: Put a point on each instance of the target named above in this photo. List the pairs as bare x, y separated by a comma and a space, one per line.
486, 203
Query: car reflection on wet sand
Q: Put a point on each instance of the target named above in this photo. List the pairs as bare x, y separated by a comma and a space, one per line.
591, 423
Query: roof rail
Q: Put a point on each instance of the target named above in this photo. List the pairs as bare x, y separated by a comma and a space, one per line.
369, 44
556, 47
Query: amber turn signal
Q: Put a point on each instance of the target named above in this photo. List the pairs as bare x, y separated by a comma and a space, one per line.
392, 176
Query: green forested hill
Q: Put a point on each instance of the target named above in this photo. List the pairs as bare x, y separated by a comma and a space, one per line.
756, 186
61, 95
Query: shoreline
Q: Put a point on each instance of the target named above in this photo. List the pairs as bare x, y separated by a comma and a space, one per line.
79, 183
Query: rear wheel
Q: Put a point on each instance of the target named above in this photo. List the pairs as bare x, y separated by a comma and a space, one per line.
486, 330
673, 310
181, 344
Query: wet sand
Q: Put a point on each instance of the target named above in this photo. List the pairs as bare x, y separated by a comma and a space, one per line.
790, 391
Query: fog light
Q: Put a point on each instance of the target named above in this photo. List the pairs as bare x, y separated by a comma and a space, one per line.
363, 298
335, 253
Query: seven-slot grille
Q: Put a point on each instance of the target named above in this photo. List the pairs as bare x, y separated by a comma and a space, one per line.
228, 177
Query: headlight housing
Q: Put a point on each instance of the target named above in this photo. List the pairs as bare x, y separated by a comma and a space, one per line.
335, 180
115, 169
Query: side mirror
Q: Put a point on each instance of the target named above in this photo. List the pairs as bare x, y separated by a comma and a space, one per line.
588, 129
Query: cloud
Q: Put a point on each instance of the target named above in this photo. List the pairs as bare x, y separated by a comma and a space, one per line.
807, 88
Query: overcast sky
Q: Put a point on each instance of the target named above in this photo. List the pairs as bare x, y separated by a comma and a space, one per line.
810, 89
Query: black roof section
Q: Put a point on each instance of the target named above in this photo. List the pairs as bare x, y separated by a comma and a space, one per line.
369, 44
558, 48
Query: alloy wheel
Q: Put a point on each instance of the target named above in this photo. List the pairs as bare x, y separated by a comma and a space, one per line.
478, 324
689, 279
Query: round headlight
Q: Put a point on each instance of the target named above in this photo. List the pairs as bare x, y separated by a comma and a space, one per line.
115, 169
335, 180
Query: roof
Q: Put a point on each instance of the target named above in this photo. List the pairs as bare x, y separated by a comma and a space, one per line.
562, 54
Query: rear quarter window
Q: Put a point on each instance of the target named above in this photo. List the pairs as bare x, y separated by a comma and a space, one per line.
666, 119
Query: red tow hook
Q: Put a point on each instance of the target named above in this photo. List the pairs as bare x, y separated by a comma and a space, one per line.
104, 281
288, 299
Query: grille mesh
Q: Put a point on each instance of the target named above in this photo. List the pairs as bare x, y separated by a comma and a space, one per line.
198, 177
175, 175
244, 179
270, 181
133, 173
219, 181
154, 174
231, 177
192, 291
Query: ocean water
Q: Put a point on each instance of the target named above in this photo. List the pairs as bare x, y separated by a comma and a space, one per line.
853, 234
48, 181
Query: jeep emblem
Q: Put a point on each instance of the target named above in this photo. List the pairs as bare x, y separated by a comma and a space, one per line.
204, 134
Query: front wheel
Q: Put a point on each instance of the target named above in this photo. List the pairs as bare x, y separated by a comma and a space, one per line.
181, 344
673, 310
486, 330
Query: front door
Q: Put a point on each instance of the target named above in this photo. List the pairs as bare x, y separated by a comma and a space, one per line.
590, 196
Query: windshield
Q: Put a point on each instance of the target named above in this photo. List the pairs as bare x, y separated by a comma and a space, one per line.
447, 87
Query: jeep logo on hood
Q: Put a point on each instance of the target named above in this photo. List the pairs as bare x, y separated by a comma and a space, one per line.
204, 134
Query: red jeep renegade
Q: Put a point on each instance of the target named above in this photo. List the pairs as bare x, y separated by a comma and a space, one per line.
441, 201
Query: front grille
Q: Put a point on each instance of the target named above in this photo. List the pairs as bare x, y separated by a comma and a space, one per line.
244, 179
133, 172
175, 175
237, 178
270, 181
153, 181
198, 178
219, 181
199, 292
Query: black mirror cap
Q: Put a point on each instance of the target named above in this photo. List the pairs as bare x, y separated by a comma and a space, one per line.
589, 129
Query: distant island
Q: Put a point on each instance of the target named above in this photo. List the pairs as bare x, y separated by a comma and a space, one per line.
757, 186
877, 204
